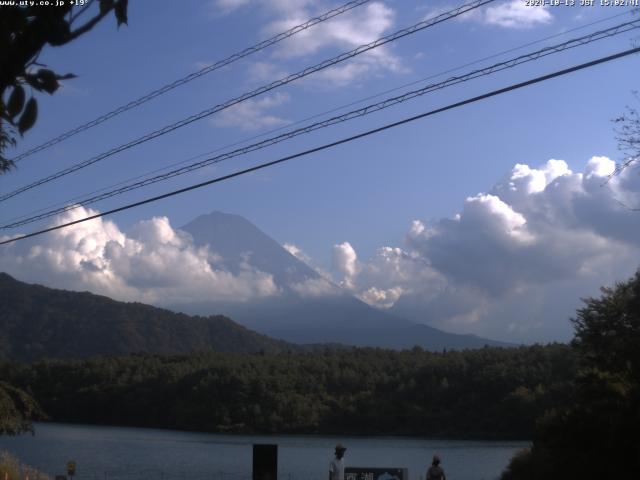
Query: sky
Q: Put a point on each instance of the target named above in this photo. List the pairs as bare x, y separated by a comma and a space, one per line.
494, 218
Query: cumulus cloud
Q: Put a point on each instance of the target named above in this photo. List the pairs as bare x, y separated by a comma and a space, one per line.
345, 261
153, 263
517, 14
382, 280
315, 287
252, 114
349, 30
514, 14
514, 262
381, 298
297, 252
342, 33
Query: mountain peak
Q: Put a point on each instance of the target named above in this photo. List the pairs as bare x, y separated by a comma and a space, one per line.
321, 318
236, 240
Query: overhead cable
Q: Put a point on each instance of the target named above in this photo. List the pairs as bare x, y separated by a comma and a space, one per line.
261, 166
266, 88
192, 76
82, 197
375, 107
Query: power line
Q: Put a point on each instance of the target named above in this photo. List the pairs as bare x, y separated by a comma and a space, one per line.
192, 76
283, 81
452, 106
80, 199
389, 102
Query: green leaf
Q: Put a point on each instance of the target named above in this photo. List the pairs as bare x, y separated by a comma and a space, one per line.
29, 116
121, 12
48, 80
34, 81
16, 101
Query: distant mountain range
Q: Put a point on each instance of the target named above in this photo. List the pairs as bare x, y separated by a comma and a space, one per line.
39, 322
335, 316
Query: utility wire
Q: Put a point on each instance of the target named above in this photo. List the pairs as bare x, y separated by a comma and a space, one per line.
192, 76
389, 102
283, 81
79, 199
261, 166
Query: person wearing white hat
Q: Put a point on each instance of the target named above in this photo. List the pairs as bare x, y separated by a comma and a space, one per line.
336, 467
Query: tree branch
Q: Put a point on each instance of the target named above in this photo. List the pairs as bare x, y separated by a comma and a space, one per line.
80, 12
90, 24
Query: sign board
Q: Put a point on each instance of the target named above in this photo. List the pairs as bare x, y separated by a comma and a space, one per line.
377, 473
71, 468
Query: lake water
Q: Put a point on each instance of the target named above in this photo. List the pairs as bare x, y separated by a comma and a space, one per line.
111, 453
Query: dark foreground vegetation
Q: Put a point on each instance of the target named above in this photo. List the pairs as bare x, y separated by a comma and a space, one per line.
595, 432
485, 393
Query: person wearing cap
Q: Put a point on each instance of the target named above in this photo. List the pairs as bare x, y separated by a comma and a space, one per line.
435, 471
336, 467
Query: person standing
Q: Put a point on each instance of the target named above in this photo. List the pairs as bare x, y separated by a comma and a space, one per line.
435, 471
336, 467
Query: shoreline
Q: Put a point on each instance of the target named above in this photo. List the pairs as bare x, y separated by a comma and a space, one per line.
286, 435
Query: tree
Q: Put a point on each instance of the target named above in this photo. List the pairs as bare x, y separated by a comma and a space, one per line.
17, 410
607, 331
596, 434
628, 135
24, 32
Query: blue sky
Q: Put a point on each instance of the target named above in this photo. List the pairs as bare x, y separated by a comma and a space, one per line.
366, 193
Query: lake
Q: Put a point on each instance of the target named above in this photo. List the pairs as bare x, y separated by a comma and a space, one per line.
111, 453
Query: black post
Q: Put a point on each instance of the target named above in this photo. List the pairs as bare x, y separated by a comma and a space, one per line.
265, 462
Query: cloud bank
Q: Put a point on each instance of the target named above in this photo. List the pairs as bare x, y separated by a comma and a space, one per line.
511, 265
153, 263
514, 261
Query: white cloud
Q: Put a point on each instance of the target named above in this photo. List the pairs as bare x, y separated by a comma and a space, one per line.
296, 252
349, 30
514, 262
315, 287
343, 33
262, 72
382, 280
345, 261
252, 114
381, 298
153, 263
516, 14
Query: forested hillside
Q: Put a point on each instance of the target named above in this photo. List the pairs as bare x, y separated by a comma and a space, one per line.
38, 322
484, 393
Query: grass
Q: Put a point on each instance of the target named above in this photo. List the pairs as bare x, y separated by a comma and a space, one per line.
12, 469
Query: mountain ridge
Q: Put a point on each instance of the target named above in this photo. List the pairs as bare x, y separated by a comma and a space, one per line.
41, 322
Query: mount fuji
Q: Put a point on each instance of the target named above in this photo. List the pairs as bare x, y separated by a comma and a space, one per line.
299, 313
